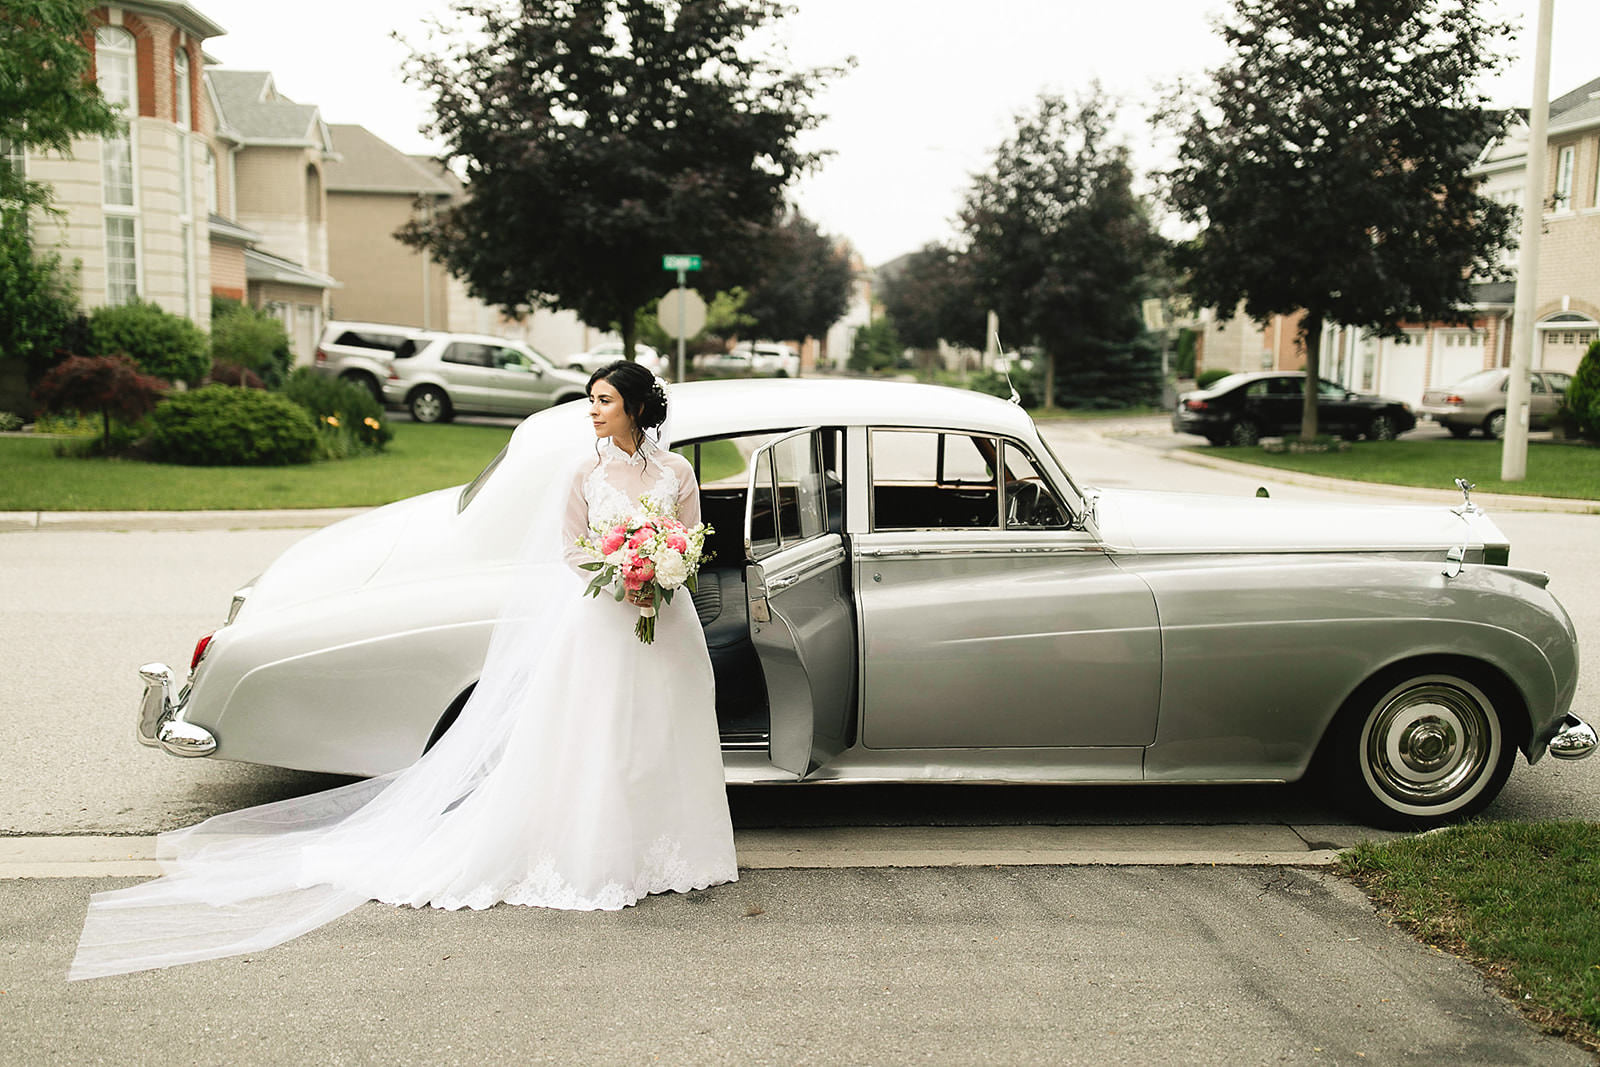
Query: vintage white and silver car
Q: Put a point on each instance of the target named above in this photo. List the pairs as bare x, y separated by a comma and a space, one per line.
909, 586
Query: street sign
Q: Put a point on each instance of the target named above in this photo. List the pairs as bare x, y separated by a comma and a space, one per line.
682, 307
680, 262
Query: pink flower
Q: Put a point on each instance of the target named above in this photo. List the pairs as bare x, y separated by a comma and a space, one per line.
613, 540
640, 536
636, 572
677, 542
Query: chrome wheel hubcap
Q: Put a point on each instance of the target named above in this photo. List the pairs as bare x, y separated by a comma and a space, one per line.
1428, 743
426, 407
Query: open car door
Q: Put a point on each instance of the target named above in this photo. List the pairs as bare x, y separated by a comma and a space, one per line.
797, 576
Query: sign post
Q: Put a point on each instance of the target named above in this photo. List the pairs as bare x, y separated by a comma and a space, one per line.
683, 264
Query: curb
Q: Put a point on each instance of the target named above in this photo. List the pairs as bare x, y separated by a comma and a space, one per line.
121, 521
829, 848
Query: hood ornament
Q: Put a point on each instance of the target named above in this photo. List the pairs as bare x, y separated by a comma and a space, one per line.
1467, 506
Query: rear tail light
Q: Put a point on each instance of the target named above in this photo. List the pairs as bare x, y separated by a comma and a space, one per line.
200, 648
1453, 399
1195, 405
393, 377
322, 357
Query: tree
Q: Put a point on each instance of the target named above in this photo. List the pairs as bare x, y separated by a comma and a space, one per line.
725, 317
875, 346
48, 95
37, 299
805, 281
1058, 245
597, 135
1328, 166
111, 385
934, 298
247, 337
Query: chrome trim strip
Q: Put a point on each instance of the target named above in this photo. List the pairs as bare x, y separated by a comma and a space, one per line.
807, 569
1287, 550
981, 550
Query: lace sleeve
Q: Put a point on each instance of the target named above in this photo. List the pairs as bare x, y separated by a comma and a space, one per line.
576, 523
688, 494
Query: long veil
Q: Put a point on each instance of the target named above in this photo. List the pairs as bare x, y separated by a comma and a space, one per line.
250, 879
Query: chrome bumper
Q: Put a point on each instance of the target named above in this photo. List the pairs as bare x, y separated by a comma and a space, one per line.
161, 723
1574, 740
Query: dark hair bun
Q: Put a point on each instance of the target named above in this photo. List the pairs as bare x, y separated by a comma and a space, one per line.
643, 395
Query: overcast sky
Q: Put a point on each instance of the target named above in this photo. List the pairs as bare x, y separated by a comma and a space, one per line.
934, 92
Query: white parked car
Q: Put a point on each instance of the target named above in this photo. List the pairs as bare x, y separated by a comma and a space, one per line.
611, 351
753, 358
437, 376
361, 352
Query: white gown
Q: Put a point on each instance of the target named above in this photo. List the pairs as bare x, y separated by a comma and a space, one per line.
584, 773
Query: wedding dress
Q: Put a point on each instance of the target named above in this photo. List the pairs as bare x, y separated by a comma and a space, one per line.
584, 773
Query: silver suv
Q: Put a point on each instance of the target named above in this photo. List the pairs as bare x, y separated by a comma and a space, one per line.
437, 376
360, 352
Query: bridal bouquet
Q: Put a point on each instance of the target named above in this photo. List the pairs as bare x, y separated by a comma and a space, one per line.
647, 552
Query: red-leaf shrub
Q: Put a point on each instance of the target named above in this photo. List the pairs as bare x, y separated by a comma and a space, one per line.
235, 374
111, 385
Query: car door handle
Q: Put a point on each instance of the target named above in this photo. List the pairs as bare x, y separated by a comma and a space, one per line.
778, 585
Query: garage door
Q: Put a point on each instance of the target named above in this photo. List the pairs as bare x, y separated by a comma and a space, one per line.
1456, 354
1562, 349
1401, 368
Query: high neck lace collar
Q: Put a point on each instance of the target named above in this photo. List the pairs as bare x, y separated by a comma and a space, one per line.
640, 456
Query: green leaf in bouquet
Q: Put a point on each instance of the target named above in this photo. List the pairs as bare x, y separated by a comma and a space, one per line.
595, 566
622, 591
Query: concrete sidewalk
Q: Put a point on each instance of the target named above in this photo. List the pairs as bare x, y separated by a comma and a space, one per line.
278, 519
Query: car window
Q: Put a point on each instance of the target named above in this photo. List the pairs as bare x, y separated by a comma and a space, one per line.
406, 349
924, 479
385, 342
470, 353
763, 535
798, 467
1558, 381
510, 357
1258, 389
1535, 384
1484, 379
1329, 389
1030, 503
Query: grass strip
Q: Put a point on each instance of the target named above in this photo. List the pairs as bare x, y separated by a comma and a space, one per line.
1519, 899
1554, 469
420, 458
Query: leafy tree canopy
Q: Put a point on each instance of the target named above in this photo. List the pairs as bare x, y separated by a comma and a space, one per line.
934, 297
1059, 244
597, 135
1327, 164
805, 281
47, 96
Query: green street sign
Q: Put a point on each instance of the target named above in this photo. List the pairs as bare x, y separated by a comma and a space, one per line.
680, 262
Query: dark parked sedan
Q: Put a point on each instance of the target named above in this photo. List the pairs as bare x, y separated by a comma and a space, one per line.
1243, 408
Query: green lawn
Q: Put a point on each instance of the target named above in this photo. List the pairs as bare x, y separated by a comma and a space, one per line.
1563, 470
1519, 898
420, 458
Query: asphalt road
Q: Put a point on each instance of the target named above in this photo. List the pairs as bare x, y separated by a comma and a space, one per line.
976, 965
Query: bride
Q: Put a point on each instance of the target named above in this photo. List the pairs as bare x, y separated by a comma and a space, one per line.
584, 772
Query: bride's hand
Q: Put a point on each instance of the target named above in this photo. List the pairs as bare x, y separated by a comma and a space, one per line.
641, 598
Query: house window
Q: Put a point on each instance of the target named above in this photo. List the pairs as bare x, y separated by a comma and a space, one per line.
122, 261
180, 71
14, 157
1564, 162
114, 72
211, 181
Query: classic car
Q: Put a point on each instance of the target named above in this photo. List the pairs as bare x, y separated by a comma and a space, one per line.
1243, 408
910, 586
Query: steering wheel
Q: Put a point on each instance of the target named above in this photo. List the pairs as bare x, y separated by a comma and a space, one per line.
1023, 500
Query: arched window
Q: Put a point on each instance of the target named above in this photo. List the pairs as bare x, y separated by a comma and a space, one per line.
313, 194
180, 71
115, 74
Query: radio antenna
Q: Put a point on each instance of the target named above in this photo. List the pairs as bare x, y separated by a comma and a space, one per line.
1005, 368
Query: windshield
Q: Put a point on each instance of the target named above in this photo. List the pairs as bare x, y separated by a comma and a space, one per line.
472, 488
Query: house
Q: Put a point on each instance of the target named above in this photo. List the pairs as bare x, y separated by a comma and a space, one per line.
1567, 297
268, 156
135, 204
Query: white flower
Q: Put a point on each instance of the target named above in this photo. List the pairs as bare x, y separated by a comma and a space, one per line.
671, 571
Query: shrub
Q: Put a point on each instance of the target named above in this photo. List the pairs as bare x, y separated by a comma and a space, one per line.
10, 421
1211, 377
111, 385
162, 344
221, 425
37, 297
233, 374
1582, 405
249, 338
876, 346
348, 420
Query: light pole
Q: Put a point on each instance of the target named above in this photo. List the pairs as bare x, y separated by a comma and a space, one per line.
1514, 446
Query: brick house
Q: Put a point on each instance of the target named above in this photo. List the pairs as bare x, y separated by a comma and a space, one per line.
269, 154
135, 204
